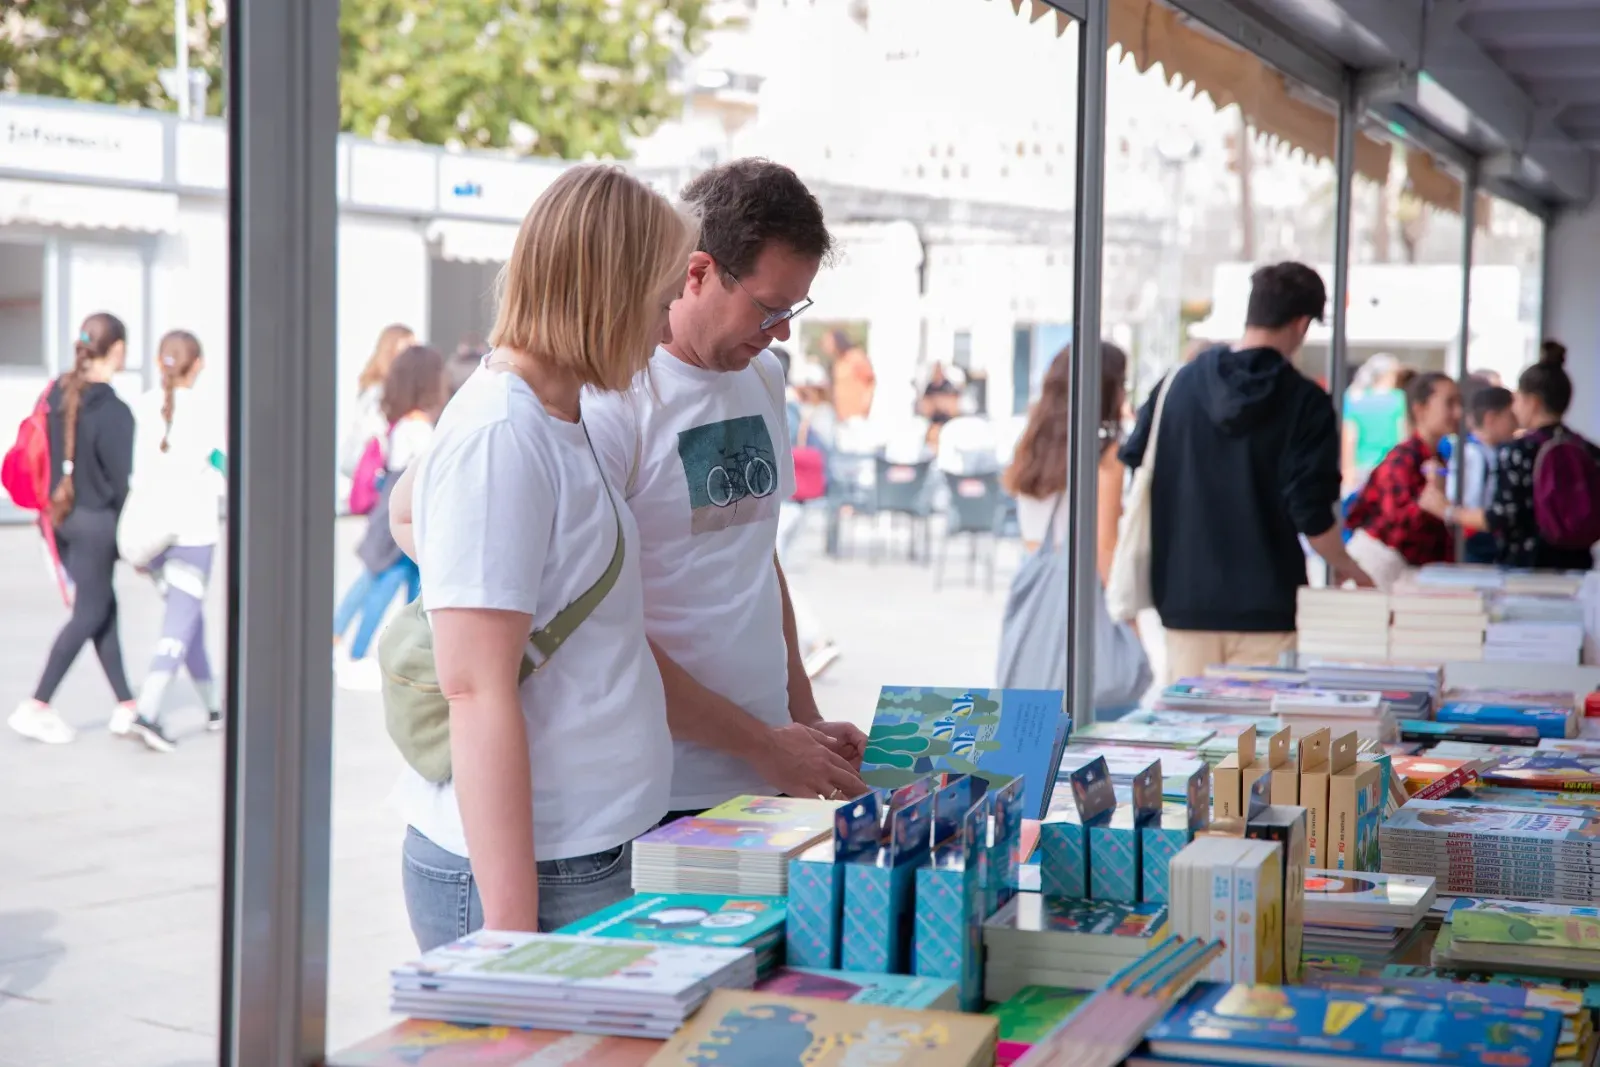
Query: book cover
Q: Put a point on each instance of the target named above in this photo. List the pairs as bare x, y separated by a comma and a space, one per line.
1537, 931
1155, 735
1329, 892
767, 825
1589, 991
1447, 818
744, 1029
424, 1043
1034, 913
1549, 722
1557, 771
1565, 1002
694, 918
994, 734
860, 987
1290, 1020
600, 964
1026, 1017
1286, 824
1477, 733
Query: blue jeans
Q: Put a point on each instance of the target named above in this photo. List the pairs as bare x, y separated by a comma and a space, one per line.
369, 596
442, 897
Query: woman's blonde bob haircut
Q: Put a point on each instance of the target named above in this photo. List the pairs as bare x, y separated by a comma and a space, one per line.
584, 286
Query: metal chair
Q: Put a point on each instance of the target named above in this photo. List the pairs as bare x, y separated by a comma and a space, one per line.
852, 487
977, 507
905, 489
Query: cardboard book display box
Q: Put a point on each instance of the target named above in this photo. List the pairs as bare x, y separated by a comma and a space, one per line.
1227, 779
879, 885
1314, 773
1355, 809
1163, 838
1286, 824
1115, 842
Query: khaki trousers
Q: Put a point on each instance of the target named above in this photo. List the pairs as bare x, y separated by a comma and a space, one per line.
1190, 652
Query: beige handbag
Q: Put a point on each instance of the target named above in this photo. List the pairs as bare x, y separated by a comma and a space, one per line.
1128, 591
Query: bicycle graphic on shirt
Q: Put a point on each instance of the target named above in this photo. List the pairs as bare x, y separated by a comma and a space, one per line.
744, 472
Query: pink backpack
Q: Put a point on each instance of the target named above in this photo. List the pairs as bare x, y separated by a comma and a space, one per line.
369, 472
1566, 492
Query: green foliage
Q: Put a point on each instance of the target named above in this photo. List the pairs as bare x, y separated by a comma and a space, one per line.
566, 78
105, 51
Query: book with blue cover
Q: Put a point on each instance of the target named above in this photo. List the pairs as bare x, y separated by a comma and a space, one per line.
755, 923
1549, 721
994, 734
1553, 771
1298, 1025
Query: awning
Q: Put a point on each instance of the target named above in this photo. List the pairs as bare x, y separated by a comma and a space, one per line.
472, 242
85, 207
1153, 33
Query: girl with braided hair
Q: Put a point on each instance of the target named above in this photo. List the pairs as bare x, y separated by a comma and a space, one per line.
91, 457
179, 460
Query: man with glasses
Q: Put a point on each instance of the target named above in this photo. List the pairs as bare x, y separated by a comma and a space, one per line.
701, 447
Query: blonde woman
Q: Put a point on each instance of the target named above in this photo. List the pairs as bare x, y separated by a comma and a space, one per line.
513, 521
368, 422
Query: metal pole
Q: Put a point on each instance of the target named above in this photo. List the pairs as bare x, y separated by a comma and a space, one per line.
1083, 403
1344, 161
180, 34
283, 122
1469, 227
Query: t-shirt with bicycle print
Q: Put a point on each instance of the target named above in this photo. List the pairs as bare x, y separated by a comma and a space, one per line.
704, 460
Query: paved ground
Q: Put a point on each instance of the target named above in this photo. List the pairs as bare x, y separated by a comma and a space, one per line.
109, 899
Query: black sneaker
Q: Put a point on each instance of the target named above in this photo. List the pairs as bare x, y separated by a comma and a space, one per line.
214, 720
153, 735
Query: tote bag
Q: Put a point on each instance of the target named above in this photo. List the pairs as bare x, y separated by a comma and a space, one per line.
1128, 590
1033, 635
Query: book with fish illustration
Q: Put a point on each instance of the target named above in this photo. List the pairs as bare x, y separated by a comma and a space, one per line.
994, 734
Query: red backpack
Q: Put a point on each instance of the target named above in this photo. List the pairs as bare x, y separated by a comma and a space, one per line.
810, 466
25, 470
1566, 492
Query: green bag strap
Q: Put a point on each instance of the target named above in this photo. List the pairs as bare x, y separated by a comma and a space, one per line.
554, 634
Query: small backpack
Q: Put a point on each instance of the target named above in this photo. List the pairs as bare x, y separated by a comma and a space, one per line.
810, 466
369, 472
1566, 492
25, 470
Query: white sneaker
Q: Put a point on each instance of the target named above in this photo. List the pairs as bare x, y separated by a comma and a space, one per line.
820, 658
122, 717
40, 723
361, 675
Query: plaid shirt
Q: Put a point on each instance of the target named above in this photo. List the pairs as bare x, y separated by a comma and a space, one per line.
1387, 507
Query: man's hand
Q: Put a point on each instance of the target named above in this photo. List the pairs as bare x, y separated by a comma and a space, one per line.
1353, 573
850, 742
1433, 500
801, 761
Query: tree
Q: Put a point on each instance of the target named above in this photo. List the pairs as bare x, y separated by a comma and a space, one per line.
567, 78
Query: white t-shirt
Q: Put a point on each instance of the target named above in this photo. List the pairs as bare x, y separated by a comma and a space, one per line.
1033, 518
189, 487
408, 440
510, 512
709, 458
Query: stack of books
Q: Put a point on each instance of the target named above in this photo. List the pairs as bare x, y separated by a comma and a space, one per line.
1432, 776
1435, 624
1554, 772
1301, 1026
1556, 643
1235, 696
1514, 852
1551, 715
1367, 916
743, 846
744, 1029
1068, 944
1566, 946
1366, 715
1147, 735
1231, 890
754, 923
1343, 624
560, 982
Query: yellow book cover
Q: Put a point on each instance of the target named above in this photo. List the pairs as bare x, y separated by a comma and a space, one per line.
736, 1028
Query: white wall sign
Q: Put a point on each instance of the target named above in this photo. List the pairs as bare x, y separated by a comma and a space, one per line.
400, 178
81, 142
492, 188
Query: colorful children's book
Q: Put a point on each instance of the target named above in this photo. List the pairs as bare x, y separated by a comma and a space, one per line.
1360, 898
1589, 991
424, 1043
1029, 1015
859, 987
1474, 732
742, 846
995, 734
1307, 1026
1548, 721
1558, 771
694, 918
743, 1029
1155, 735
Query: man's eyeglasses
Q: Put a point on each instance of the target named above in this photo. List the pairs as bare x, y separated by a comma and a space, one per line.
773, 316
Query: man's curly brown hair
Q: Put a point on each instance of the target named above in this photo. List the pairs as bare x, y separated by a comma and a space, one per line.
748, 203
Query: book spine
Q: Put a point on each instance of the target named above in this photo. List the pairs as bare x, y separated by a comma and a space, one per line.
1247, 890
1221, 969
1443, 787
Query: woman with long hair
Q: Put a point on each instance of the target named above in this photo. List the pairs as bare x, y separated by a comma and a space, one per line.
1392, 532
512, 520
367, 422
1543, 396
414, 394
1038, 473
91, 458
179, 449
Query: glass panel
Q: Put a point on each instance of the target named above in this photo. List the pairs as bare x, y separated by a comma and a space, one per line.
1507, 289
109, 907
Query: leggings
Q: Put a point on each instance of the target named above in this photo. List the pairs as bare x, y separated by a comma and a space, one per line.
186, 569
369, 598
87, 541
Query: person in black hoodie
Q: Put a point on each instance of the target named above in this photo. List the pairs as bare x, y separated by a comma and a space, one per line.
91, 457
1247, 461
